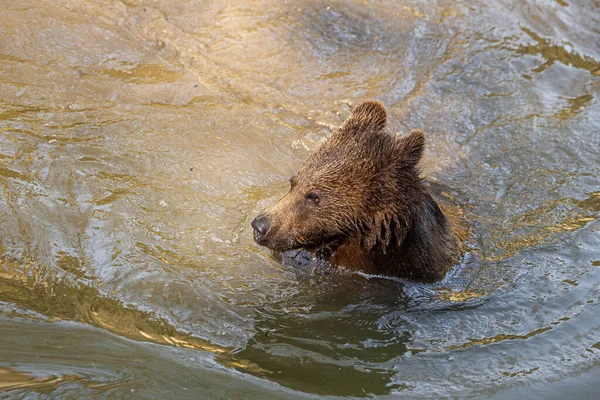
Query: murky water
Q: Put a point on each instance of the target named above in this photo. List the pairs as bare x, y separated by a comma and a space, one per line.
139, 139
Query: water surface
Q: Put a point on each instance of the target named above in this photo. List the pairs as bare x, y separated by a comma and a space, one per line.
139, 139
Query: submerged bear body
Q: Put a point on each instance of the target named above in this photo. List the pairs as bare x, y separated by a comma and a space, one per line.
358, 202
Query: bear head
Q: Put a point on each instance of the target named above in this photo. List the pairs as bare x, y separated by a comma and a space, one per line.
362, 181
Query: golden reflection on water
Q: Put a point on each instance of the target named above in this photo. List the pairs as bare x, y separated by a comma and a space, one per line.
461, 296
64, 299
586, 214
552, 53
11, 380
498, 338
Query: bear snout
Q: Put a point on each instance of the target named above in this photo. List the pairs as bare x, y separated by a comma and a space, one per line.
261, 225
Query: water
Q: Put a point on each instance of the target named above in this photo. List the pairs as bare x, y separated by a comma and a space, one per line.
139, 139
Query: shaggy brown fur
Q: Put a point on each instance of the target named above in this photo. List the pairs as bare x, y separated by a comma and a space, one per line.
359, 200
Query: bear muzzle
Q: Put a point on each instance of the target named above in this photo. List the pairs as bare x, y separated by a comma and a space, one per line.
261, 225
268, 235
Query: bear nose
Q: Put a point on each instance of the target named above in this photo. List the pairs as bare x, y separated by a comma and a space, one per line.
261, 226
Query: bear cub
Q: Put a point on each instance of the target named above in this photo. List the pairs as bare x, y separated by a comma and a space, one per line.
359, 202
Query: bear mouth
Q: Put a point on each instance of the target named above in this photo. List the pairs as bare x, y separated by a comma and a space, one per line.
280, 246
287, 244
277, 244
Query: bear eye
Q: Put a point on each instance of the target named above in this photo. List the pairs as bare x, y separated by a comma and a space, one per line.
312, 198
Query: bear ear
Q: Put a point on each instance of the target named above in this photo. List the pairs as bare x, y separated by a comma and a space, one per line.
412, 147
369, 115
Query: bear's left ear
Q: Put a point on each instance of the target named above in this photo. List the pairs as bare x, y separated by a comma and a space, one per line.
412, 147
369, 115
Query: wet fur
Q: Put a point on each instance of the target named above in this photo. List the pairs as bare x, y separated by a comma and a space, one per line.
424, 252
374, 212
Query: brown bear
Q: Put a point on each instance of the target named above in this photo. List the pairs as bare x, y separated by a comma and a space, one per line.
359, 202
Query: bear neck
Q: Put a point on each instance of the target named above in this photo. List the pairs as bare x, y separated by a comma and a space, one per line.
422, 250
